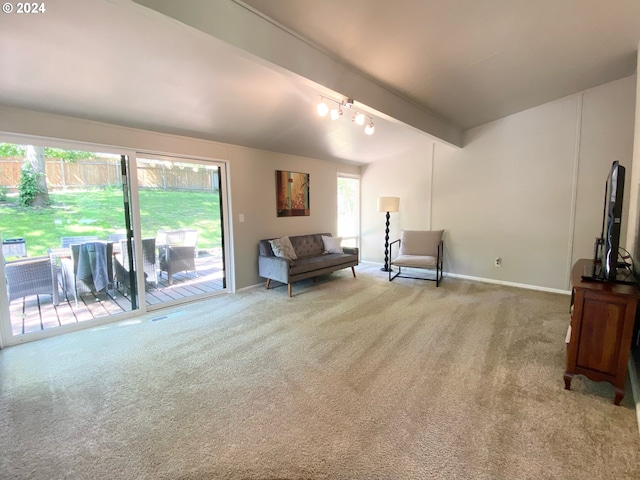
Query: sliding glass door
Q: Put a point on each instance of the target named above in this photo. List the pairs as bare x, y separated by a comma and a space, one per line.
89, 236
180, 207
61, 215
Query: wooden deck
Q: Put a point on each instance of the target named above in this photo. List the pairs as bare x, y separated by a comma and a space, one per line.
37, 312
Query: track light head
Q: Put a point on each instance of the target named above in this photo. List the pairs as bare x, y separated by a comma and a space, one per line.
358, 118
369, 129
322, 108
336, 113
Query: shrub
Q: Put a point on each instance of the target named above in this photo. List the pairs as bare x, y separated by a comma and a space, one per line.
28, 185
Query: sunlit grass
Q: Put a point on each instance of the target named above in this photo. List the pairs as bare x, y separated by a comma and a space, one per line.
101, 212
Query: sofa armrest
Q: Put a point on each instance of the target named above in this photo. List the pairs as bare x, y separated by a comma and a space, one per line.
352, 251
274, 268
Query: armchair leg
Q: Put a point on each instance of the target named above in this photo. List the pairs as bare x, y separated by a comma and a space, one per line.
290, 293
391, 277
268, 283
353, 270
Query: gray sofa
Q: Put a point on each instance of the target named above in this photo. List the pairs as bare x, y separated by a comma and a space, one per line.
310, 263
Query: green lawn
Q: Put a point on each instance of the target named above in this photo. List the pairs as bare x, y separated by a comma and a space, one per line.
100, 212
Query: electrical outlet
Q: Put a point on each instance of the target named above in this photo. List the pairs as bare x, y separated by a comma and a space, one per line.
498, 262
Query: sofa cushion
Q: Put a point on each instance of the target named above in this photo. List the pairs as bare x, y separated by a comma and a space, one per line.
309, 264
416, 261
282, 248
308, 245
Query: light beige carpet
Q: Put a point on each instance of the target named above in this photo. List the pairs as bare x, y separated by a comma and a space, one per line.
349, 379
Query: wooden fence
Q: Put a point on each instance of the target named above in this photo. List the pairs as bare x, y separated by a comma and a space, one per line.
105, 172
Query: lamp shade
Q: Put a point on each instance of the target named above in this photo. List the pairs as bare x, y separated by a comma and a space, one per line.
388, 204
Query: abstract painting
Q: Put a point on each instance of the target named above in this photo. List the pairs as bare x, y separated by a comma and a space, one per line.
292, 194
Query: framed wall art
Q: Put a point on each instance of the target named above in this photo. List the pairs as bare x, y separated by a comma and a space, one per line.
292, 194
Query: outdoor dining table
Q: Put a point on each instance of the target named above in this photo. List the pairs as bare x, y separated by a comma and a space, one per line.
59, 253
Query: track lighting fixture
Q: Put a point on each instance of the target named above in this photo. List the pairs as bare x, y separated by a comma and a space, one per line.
358, 118
369, 129
336, 113
322, 108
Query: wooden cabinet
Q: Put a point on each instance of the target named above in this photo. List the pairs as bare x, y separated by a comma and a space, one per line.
602, 321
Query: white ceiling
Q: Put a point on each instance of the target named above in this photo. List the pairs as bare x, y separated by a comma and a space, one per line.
468, 61
222, 71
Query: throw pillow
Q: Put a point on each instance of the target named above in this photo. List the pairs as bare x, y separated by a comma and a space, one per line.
332, 244
282, 248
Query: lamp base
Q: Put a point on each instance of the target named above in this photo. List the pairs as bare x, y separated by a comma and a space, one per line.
386, 269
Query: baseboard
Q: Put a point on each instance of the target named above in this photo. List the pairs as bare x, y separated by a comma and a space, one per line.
497, 282
250, 287
508, 284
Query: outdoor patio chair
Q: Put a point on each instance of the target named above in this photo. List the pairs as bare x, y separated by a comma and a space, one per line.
115, 238
31, 276
148, 263
89, 270
183, 236
66, 242
14, 247
176, 258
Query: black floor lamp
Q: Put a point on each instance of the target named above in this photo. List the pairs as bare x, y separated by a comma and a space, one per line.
387, 204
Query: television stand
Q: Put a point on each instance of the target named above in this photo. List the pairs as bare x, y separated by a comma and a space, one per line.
592, 272
602, 321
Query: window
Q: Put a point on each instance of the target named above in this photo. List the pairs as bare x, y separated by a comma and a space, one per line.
349, 209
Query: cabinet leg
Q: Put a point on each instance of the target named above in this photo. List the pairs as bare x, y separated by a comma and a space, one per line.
619, 396
567, 380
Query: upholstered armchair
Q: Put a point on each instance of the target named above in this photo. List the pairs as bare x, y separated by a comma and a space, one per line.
418, 249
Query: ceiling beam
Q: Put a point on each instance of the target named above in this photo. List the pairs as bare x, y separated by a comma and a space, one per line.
240, 26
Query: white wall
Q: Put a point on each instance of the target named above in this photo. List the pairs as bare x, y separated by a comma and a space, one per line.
508, 194
251, 173
633, 231
407, 177
253, 185
608, 115
527, 188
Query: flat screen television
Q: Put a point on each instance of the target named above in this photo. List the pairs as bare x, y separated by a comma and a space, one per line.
605, 266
